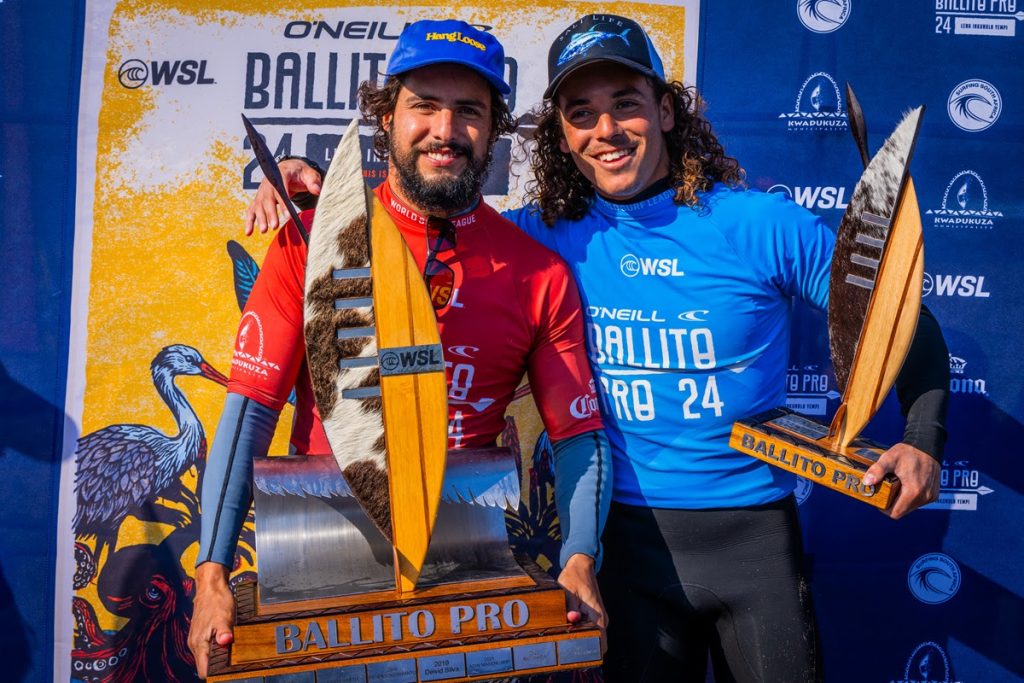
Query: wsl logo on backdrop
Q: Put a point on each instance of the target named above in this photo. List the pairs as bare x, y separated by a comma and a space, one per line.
814, 197
823, 16
819, 106
934, 578
965, 204
928, 663
964, 286
974, 105
135, 73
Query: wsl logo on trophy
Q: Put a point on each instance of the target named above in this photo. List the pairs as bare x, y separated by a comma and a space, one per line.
874, 302
390, 561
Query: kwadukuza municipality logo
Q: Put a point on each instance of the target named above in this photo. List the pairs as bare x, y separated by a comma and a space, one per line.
974, 105
819, 106
928, 663
965, 204
934, 578
823, 16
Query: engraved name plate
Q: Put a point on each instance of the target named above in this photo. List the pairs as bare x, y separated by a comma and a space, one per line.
496, 661
534, 656
442, 667
579, 650
397, 671
354, 673
300, 677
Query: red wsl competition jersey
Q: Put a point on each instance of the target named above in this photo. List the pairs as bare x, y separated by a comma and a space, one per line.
514, 309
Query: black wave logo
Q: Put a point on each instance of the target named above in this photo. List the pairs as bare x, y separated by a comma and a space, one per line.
133, 74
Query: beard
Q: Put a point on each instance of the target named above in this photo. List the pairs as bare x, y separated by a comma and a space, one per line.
445, 194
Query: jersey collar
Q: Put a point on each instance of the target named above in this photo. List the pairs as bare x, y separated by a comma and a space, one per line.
400, 211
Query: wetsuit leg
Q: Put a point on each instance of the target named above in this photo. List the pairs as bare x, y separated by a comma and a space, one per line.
681, 583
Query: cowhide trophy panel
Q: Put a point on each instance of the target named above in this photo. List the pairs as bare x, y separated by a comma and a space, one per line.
874, 303
389, 562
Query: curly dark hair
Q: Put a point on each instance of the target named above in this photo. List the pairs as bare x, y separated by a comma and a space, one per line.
696, 158
377, 101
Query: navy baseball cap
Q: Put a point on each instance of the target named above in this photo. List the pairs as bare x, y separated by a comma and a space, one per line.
601, 37
450, 42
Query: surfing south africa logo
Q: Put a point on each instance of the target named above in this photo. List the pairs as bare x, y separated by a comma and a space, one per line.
934, 578
974, 105
823, 16
819, 106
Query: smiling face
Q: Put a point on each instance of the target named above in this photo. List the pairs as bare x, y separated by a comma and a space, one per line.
614, 127
439, 138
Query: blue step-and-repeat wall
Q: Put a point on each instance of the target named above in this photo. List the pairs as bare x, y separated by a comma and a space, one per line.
938, 596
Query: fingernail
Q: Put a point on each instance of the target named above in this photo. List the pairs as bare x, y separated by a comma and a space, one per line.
870, 479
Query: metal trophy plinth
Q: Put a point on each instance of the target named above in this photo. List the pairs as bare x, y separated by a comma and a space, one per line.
388, 562
874, 304
325, 607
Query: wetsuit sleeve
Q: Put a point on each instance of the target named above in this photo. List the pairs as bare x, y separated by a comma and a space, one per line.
245, 431
922, 387
265, 364
269, 347
583, 492
559, 373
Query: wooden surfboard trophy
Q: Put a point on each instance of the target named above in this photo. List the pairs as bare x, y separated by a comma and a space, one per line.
389, 562
874, 302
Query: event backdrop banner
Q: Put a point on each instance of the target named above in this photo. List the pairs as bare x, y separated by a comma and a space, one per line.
161, 270
936, 596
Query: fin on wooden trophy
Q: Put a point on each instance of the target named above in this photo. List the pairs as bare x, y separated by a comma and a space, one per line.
390, 560
874, 302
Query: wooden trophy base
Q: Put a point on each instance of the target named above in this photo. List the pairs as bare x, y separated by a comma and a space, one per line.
796, 443
458, 632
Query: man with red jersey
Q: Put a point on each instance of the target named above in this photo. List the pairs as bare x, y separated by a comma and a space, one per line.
512, 308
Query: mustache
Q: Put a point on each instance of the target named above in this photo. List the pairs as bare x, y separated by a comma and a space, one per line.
456, 147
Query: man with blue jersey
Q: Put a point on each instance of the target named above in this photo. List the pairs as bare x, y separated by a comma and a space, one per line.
687, 281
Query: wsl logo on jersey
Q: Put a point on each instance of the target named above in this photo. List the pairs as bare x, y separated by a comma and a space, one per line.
934, 578
819, 106
965, 286
928, 663
974, 105
814, 197
823, 16
634, 266
965, 204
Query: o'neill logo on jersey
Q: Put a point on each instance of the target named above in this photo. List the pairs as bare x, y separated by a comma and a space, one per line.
585, 406
632, 265
248, 356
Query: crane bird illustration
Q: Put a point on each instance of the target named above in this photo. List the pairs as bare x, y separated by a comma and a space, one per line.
124, 467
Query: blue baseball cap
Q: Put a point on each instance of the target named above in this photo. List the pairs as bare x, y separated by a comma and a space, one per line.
450, 42
597, 38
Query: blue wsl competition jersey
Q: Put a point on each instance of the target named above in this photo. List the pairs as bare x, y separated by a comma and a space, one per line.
688, 318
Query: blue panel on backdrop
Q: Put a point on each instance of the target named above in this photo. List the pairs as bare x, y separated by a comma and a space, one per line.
41, 56
947, 582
